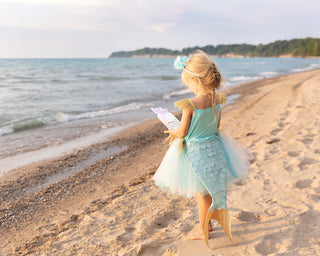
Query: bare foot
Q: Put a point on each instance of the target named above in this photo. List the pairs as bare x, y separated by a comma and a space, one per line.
197, 234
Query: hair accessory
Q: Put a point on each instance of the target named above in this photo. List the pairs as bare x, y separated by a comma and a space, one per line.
181, 62
191, 72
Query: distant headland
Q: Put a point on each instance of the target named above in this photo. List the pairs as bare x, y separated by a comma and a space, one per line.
307, 47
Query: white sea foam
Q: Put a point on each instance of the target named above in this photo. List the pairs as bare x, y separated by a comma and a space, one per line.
268, 73
310, 67
6, 130
64, 117
231, 98
225, 84
61, 117
179, 92
243, 78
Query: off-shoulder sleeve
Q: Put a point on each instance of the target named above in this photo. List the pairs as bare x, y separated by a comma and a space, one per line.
184, 104
221, 98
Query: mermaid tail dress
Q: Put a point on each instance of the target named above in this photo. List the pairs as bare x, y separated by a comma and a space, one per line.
208, 163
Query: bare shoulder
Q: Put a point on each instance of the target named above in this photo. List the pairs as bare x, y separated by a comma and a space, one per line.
202, 102
196, 102
193, 100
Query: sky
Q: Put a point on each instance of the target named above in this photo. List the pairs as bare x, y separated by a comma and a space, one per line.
96, 28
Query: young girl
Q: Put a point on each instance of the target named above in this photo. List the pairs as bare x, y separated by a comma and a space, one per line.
202, 161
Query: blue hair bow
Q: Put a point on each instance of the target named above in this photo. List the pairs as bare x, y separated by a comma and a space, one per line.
180, 62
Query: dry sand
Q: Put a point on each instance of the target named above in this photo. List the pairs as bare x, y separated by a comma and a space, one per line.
84, 204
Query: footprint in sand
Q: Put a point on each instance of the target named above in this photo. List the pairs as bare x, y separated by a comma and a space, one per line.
301, 184
275, 131
306, 161
293, 153
153, 248
74, 218
164, 221
271, 201
240, 183
310, 217
128, 234
284, 115
315, 198
281, 124
268, 244
266, 157
306, 230
271, 211
307, 140
274, 140
249, 216
317, 151
289, 167
274, 151
266, 184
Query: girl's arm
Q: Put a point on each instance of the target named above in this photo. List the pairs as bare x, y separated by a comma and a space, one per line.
184, 126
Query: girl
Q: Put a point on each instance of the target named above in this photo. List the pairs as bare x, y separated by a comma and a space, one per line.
201, 161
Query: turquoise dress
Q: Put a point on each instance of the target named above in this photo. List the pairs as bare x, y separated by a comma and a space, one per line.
208, 163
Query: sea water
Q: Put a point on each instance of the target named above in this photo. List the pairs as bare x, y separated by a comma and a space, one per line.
49, 101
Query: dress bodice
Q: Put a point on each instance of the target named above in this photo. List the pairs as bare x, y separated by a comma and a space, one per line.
202, 125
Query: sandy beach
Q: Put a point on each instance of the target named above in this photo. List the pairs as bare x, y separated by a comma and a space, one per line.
101, 200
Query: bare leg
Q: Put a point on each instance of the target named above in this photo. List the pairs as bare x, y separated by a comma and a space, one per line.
204, 204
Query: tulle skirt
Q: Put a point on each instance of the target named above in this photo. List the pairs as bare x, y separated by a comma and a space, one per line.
177, 176
238, 158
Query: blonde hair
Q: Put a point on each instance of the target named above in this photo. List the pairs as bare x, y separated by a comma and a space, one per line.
209, 78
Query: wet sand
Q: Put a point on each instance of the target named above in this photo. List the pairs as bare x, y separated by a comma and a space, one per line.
101, 200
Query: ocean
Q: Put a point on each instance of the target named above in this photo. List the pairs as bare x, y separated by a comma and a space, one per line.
46, 102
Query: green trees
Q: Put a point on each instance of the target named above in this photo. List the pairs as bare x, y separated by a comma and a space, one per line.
295, 47
144, 51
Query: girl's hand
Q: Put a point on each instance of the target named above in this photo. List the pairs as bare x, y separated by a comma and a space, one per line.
184, 126
171, 136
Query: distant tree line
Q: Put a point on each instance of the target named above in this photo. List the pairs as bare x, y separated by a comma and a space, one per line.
295, 47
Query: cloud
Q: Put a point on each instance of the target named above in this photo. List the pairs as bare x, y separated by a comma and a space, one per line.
103, 15
98, 27
56, 2
162, 27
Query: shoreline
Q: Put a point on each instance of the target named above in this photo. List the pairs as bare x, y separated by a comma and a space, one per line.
107, 196
24, 137
57, 151
47, 152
